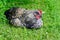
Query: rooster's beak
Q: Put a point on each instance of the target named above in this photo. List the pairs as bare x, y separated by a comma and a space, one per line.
43, 12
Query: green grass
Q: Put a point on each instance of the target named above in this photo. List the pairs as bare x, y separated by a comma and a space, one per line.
51, 18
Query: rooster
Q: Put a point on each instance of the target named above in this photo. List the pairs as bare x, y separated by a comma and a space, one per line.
24, 18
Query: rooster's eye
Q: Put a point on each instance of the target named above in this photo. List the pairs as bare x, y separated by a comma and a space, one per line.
36, 13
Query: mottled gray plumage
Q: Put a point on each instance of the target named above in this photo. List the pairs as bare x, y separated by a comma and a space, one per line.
22, 17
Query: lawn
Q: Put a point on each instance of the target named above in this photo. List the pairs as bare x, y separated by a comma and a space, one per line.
51, 18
